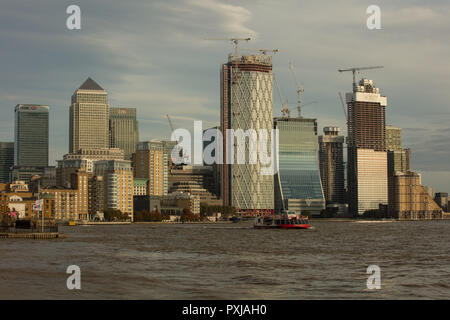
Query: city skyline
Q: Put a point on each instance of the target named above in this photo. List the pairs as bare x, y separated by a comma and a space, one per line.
145, 79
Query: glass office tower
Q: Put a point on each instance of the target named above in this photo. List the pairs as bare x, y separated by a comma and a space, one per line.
298, 186
31, 135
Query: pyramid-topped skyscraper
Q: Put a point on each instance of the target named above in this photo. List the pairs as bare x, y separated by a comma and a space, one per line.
89, 117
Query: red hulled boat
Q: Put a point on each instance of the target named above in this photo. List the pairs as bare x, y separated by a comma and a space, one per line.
282, 221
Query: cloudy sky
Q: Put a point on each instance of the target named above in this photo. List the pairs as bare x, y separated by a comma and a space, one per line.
152, 55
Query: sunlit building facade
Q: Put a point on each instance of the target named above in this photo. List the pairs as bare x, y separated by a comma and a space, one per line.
246, 103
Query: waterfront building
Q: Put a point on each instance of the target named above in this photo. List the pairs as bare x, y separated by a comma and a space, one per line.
140, 186
180, 200
71, 203
96, 196
246, 103
367, 158
298, 186
17, 198
118, 184
409, 200
6, 160
83, 160
331, 160
89, 118
430, 190
31, 135
151, 162
124, 132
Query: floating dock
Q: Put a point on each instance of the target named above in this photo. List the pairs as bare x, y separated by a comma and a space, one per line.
35, 235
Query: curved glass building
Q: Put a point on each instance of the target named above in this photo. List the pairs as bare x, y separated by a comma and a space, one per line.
298, 186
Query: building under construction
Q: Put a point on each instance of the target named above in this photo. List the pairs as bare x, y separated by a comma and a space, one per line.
246, 103
367, 157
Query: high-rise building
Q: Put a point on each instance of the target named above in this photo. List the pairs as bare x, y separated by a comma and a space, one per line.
31, 135
246, 104
150, 162
331, 158
89, 118
124, 133
398, 158
367, 157
298, 186
118, 184
6, 160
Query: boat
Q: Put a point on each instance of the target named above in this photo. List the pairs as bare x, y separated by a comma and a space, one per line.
282, 221
72, 223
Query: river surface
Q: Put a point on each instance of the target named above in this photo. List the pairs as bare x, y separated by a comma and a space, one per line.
232, 261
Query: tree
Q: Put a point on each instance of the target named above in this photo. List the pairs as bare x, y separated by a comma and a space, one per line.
113, 215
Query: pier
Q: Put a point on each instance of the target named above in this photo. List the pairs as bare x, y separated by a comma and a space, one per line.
34, 235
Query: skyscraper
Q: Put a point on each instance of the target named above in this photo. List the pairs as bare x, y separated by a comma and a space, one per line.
124, 130
247, 104
367, 157
150, 162
331, 158
89, 117
297, 185
31, 135
6, 160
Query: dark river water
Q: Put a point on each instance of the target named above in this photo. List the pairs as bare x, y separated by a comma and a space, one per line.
232, 261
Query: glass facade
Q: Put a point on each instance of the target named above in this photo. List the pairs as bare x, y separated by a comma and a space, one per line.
298, 175
31, 135
6, 160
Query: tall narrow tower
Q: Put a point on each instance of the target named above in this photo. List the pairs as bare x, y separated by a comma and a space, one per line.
246, 103
89, 118
331, 157
31, 141
367, 157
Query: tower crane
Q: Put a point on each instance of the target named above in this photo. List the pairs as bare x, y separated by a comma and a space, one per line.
235, 42
300, 90
354, 70
262, 51
284, 105
343, 107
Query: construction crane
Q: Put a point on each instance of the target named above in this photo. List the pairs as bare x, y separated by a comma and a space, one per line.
284, 105
343, 107
235, 42
300, 90
353, 70
262, 51
170, 123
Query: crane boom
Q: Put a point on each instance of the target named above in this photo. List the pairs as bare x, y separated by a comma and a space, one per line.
343, 107
284, 107
235, 42
353, 70
300, 90
170, 123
